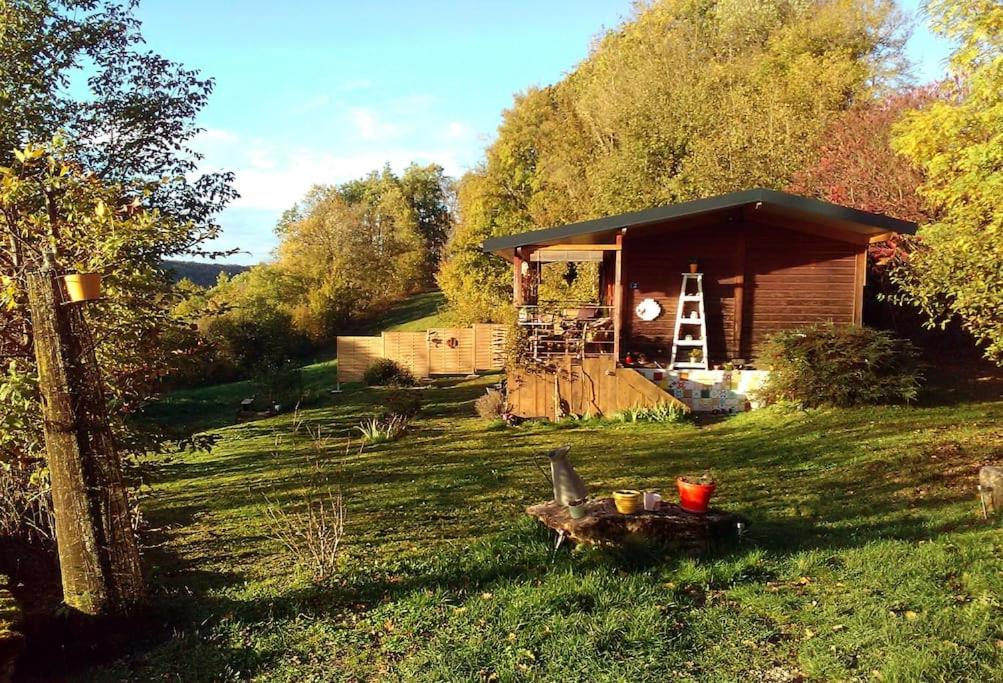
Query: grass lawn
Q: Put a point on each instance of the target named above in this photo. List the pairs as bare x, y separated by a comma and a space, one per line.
866, 559
417, 313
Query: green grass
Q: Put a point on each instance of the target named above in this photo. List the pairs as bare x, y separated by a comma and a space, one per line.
202, 408
415, 314
866, 559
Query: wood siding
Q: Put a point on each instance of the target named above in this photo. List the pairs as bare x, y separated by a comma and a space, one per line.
794, 279
784, 279
653, 268
593, 387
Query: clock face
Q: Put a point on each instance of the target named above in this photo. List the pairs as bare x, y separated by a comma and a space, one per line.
648, 310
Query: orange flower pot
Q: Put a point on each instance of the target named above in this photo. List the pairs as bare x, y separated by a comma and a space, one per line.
83, 286
694, 497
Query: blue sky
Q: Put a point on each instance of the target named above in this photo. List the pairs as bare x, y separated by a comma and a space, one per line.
313, 91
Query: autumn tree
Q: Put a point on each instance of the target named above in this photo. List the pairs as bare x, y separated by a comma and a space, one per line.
955, 269
686, 100
98, 174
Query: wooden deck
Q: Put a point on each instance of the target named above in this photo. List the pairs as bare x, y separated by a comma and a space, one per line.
590, 386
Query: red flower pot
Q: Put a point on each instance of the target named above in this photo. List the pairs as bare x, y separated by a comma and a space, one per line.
694, 497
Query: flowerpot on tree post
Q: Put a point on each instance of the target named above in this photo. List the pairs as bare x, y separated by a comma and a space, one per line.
83, 286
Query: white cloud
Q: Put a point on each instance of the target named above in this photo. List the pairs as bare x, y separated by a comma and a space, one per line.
285, 183
215, 135
369, 126
457, 131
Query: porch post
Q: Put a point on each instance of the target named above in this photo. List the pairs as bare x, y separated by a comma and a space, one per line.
517, 292
618, 297
739, 297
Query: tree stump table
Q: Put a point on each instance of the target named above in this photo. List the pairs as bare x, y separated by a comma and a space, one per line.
669, 526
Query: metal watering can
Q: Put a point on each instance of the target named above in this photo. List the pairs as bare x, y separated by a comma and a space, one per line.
568, 485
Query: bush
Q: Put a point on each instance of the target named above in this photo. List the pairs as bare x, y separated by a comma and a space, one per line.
662, 412
400, 403
312, 535
840, 366
388, 373
377, 430
278, 383
492, 405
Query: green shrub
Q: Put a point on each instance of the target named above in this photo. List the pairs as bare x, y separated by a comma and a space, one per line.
388, 373
375, 430
661, 412
278, 383
840, 365
400, 403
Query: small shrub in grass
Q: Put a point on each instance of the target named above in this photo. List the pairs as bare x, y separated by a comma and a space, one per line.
403, 403
492, 405
312, 535
382, 430
388, 373
661, 412
839, 365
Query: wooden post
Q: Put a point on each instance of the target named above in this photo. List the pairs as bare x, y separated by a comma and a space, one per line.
517, 292
98, 557
618, 297
739, 296
860, 272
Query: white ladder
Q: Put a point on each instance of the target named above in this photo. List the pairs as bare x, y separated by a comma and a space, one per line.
685, 321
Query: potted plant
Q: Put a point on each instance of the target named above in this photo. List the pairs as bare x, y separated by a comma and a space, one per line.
695, 493
695, 355
83, 286
627, 501
694, 264
576, 508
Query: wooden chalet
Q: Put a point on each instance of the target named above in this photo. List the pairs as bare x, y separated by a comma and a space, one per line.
767, 260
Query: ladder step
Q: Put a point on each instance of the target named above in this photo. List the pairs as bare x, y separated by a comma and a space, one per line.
691, 297
691, 321
694, 366
689, 342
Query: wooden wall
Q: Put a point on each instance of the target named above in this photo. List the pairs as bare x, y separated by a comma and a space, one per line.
439, 351
793, 279
784, 278
593, 387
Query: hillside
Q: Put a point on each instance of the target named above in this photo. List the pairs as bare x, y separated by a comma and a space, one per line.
202, 274
414, 314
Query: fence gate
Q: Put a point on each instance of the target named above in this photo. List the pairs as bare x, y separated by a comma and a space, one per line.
451, 351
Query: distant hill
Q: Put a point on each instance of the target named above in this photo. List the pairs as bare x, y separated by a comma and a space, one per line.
202, 274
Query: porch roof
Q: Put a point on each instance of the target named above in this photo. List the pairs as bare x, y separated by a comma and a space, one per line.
758, 205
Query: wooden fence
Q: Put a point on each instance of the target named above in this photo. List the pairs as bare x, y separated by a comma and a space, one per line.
438, 351
595, 386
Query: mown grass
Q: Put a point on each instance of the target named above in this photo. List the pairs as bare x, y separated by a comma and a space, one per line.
866, 559
417, 313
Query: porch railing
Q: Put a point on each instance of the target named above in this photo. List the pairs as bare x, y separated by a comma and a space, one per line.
567, 329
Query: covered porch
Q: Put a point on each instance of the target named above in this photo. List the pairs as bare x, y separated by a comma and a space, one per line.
556, 327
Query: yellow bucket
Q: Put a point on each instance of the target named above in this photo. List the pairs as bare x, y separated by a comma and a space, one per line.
628, 501
83, 286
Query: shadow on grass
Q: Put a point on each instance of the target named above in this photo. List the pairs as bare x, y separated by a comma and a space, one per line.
819, 481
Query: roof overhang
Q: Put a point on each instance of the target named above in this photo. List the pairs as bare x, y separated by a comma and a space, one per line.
758, 205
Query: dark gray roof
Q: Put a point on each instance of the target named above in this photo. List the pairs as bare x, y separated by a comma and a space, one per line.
864, 221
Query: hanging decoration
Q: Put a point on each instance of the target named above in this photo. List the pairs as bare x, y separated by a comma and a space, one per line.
648, 310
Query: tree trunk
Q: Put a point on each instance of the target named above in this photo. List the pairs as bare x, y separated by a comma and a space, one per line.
98, 555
